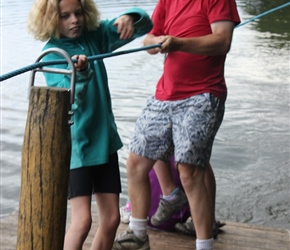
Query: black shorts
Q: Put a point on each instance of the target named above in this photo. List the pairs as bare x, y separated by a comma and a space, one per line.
103, 178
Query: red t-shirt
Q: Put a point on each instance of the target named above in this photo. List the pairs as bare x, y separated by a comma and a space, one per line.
187, 74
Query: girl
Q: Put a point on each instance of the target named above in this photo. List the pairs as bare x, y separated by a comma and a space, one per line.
75, 26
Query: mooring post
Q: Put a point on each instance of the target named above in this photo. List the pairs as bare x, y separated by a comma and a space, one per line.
45, 167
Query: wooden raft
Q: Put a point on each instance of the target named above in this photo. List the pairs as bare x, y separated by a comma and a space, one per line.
237, 236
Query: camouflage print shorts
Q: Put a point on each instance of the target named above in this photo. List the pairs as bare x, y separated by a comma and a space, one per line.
186, 127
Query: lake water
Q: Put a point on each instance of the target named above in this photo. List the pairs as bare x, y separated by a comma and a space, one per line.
251, 151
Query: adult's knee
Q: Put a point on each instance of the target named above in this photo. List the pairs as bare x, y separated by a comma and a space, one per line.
191, 175
138, 167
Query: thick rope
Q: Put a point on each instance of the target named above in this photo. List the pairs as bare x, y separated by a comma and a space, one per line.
264, 14
63, 61
102, 56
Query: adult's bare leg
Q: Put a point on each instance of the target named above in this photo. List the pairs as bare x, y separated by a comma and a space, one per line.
192, 178
210, 184
167, 184
139, 188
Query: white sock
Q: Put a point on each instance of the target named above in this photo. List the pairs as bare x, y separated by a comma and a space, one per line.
171, 196
204, 244
139, 227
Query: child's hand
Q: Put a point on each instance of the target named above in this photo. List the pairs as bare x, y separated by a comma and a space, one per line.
125, 26
82, 62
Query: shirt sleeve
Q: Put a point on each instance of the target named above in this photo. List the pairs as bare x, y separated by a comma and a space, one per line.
223, 10
158, 19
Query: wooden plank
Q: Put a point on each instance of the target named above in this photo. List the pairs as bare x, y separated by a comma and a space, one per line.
8, 231
251, 236
238, 236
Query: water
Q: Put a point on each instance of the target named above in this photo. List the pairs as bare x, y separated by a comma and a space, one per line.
251, 152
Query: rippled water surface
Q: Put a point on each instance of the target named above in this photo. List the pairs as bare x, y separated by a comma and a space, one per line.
251, 151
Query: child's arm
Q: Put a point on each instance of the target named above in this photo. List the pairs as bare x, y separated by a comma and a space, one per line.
83, 75
125, 26
82, 62
142, 22
122, 30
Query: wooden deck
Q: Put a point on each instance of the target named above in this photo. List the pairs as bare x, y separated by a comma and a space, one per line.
237, 236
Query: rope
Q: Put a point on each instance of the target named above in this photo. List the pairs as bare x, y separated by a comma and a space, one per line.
102, 56
63, 61
264, 14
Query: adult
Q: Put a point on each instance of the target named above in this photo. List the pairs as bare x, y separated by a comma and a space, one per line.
185, 113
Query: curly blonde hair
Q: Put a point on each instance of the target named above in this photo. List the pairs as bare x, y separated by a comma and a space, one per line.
43, 20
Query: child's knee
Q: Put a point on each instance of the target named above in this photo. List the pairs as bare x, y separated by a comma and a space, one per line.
83, 226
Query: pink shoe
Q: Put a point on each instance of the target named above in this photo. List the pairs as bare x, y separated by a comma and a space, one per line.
125, 213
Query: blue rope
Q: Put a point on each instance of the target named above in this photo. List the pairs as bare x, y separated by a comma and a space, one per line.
63, 61
102, 56
263, 14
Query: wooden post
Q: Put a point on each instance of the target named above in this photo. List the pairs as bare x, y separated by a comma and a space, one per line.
45, 171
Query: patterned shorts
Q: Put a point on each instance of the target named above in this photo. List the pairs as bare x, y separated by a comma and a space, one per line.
186, 127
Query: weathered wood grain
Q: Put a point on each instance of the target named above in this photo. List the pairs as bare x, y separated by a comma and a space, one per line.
45, 170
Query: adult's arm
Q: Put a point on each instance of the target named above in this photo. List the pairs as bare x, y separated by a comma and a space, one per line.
217, 43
